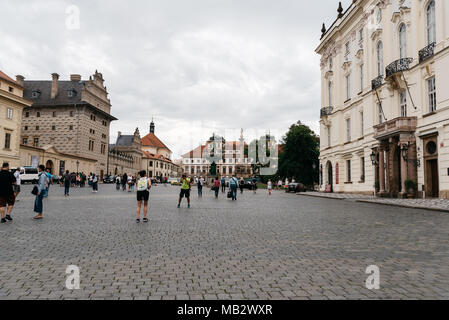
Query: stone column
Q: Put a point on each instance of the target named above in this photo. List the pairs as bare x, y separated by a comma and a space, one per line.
381, 170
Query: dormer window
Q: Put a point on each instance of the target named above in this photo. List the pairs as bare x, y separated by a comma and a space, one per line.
71, 93
35, 94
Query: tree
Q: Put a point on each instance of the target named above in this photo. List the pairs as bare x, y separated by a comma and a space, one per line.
299, 155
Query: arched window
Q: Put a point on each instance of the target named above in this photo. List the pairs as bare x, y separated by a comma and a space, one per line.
431, 32
380, 59
330, 93
402, 41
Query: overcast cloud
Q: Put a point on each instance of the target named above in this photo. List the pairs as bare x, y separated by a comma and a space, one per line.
197, 66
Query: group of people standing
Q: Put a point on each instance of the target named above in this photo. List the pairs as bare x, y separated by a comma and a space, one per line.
125, 182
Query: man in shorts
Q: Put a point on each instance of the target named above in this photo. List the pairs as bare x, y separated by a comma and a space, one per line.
185, 190
143, 194
7, 181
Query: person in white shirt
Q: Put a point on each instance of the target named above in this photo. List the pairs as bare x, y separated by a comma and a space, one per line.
269, 186
280, 184
143, 194
17, 185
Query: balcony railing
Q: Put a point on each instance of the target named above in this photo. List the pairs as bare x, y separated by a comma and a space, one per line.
326, 111
377, 82
398, 66
427, 52
394, 127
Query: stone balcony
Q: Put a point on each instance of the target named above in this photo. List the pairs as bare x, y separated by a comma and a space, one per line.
326, 111
397, 66
394, 127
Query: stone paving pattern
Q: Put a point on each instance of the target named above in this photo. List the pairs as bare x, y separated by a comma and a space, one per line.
260, 247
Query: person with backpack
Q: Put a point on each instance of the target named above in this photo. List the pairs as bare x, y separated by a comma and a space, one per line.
233, 185
185, 190
143, 195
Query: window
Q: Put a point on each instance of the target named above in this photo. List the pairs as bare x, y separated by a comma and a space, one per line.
38, 114
431, 30
70, 127
380, 59
361, 78
348, 170
348, 87
36, 142
103, 148
35, 94
348, 130
53, 127
402, 41
37, 128
380, 113
27, 114
71, 93
11, 89
54, 114
403, 103
362, 124
7, 140
91, 145
362, 169
25, 141
330, 93
25, 128
379, 15
432, 95
151, 163
9, 113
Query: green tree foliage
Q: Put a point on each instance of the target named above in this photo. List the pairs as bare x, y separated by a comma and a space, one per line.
299, 155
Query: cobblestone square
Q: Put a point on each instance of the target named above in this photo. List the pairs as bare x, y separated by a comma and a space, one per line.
279, 247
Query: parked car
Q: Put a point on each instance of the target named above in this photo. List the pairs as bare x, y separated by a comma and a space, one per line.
108, 179
27, 174
173, 181
295, 187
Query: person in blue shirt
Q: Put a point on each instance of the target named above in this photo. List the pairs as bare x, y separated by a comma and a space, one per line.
233, 185
223, 184
41, 186
50, 177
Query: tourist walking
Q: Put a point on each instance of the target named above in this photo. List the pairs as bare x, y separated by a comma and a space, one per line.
280, 184
269, 186
216, 186
16, 187
241, 185
124, 181
143, 194
117, 183
223, 185
130, 181
200, 184
41, 186
94, 183
67, 178
233, 185
185, 190
7, 198
254, 183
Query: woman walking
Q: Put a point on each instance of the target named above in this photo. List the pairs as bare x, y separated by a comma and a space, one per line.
41, 187
216, 186
94, 183
143, 195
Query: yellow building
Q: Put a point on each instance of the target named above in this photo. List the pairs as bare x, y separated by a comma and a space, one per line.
11, 107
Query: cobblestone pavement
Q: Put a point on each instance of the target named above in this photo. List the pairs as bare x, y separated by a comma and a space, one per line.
433, 204
260, 247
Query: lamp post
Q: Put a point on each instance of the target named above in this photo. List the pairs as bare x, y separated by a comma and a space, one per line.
373, 158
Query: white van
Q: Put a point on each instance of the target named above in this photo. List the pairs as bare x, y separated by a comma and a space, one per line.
28, 174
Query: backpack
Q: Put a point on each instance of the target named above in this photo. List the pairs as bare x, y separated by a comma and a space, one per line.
142, 184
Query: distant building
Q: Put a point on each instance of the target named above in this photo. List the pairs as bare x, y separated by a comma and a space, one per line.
125, 156
73, 116
157, 156
12, 104
234, 160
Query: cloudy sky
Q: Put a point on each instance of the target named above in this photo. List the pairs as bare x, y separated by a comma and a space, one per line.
196, 66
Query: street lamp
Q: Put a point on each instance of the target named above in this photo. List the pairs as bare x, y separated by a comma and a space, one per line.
373, 158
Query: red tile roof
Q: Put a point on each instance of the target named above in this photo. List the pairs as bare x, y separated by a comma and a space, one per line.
156, 156
5, 77
150, 140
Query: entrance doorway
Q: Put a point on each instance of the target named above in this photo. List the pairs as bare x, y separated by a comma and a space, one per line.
49, 165
432, 179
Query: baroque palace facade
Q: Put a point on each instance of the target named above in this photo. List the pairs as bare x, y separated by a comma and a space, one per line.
385, 98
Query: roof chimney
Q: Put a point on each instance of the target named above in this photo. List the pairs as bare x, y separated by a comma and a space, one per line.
54, 85
20, 80
75, 77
